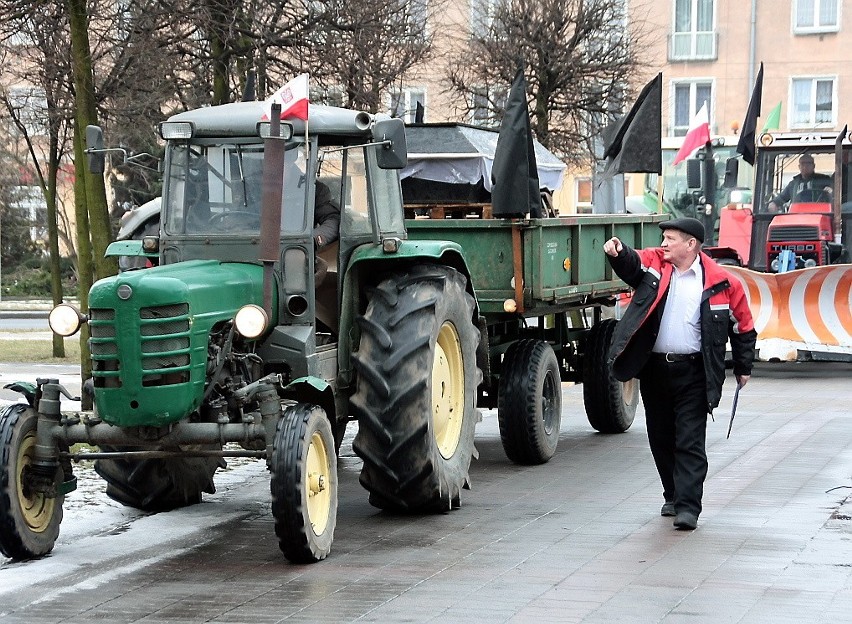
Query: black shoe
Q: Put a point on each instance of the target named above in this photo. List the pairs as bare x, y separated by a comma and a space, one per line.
667, 509
686, 521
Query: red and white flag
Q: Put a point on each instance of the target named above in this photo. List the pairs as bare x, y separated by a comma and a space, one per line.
293, 98
697, 135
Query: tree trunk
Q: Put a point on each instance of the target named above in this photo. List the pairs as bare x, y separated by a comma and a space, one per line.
84, 259
99, 230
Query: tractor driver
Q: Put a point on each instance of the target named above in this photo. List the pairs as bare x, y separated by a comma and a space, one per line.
326, 209
806, 180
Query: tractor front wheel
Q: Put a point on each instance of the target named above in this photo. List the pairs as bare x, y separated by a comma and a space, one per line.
304, 484
29, 520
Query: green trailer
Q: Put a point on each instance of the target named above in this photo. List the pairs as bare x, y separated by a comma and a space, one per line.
248, 340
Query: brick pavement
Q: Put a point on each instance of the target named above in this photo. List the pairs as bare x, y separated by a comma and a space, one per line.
576, 540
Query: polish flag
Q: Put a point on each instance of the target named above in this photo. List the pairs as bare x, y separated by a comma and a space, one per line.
697, 135
293, 98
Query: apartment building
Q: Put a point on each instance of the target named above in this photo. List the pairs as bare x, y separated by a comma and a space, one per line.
710, 50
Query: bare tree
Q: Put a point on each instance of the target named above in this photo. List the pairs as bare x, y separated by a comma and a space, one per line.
579, 58
41, 119
362, 48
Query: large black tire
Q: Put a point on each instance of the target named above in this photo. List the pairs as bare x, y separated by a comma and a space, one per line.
416, 394
304, 484
529, 402
29, 521
610, 404
160, 484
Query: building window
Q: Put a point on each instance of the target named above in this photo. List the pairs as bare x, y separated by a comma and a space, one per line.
403, 104
488, 105
332, 96
29, 107
694, 35
812, 102
810, 16
415, 16
583, 195
688, 97
482, 16
29, 200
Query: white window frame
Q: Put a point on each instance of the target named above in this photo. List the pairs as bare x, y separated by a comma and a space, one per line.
485, 115
812, 123
583, 207
408, 97
815, 27
331, 96
693, 104
30, 104
482, 14
696, 39
417, 16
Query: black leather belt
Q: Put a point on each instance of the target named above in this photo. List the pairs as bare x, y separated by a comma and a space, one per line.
676, 357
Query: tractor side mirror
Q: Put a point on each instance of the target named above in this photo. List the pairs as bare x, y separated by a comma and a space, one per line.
95, 153
393, 154
693, 173
732, 170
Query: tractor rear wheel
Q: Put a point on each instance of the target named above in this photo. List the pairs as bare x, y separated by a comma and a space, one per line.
304, 484
157, 484
610, 404
416, 394
529, 402
29, 520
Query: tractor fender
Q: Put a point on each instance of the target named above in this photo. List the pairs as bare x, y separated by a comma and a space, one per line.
25, 389
313, 390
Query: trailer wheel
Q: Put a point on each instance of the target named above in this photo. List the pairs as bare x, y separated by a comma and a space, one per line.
304, 484
29, 521
529, 403
610, 404
158, 484
417, 387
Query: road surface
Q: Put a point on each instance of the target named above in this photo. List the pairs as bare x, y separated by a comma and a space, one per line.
579, 539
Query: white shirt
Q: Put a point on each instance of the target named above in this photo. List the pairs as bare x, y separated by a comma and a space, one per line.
680, 326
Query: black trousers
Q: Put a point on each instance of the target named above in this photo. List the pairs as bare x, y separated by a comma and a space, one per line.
675, 398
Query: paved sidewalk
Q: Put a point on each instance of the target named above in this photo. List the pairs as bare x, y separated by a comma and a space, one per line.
578, 539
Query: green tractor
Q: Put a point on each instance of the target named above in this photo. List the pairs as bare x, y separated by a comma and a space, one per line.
253, 339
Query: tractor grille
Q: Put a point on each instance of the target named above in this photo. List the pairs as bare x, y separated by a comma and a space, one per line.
163, 346
106, 366
793, 233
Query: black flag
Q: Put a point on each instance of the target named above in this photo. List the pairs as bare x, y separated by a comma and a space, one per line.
745, 145
634, 141
514, 175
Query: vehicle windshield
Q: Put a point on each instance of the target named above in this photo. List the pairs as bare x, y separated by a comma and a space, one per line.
216, 188
682, 201
785, 181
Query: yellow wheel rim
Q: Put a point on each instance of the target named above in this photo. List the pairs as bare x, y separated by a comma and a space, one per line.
318, 484
447, 390
36, 509
628, 391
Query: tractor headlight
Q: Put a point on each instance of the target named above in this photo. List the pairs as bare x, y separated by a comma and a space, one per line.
65, 320
251, 321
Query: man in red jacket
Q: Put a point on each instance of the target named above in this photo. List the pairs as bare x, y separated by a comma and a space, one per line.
673, 338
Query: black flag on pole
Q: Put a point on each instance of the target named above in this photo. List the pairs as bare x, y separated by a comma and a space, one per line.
514, 174
634, 141
746, 143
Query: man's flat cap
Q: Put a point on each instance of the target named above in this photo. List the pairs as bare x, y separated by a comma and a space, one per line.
691, 226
